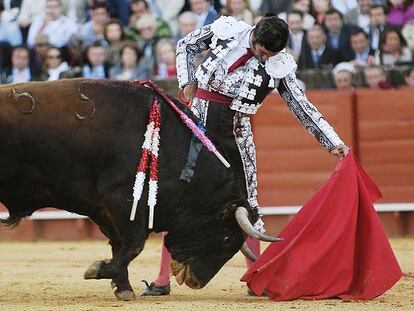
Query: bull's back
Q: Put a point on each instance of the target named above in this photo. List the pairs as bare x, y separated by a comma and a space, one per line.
63, 134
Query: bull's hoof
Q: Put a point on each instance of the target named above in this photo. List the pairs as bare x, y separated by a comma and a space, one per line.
93, 270
125, 295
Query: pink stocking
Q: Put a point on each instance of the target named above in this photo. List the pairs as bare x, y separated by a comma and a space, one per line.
254, 245
164, 273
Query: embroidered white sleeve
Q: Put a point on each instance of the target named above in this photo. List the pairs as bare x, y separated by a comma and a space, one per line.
187, 48
307, 113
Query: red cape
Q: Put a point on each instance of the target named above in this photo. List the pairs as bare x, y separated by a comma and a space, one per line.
334, 247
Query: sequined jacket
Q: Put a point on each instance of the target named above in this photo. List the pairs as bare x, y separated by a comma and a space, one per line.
250, 84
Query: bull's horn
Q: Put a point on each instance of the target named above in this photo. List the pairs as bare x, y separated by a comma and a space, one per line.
247, 252
244, 223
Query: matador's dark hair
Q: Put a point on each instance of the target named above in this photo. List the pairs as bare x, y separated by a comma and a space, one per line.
271, 32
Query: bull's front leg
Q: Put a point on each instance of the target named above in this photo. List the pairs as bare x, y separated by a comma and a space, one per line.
121, 285
117, 270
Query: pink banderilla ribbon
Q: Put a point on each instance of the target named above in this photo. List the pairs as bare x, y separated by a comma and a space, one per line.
187, 121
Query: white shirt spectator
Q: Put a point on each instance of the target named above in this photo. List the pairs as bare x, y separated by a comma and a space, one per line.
54, 73
58, 31
364, 22
169, 10
10, 32
30, 12
20, 76
344, 6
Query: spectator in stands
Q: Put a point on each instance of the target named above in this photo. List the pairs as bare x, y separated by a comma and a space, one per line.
363, 54
360, 15
187, 22
119, 9
304, 7
30, 12
96, 66
409, 77
240, 10
9, 31
138, 9
375, 78
56, 68
297, 35
275, 6
166, 61
147, 26
20, 71
408, 33
114, 36
254, 4
394, 50
75, 10
167, 10
75, 53
56, 26
94, 29
130, 66
342, 74
216, 5
316, 53
344, 6
39, 52
11, 9
399, 12
378, 24
206, 14
319, 9
338, 34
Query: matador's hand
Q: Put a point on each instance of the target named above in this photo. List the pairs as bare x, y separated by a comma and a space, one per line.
341, 151
189, 92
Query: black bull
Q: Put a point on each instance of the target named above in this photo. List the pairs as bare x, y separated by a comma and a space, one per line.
75, 145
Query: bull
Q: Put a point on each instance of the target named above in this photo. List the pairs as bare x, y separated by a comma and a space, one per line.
75, 145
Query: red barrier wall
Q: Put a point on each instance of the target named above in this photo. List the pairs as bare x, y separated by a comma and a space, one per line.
386, 140
386, 144
291, 163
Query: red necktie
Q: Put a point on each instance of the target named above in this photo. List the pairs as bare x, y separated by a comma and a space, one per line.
241, 61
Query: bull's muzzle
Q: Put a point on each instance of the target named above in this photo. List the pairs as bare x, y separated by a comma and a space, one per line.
182, 273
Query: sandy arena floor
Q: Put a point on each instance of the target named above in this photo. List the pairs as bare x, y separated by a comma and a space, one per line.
49, 276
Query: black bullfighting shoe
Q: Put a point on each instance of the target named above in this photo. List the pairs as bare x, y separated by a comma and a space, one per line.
154, 290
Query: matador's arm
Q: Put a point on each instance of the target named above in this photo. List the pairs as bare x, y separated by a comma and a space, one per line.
195, 42
307, 113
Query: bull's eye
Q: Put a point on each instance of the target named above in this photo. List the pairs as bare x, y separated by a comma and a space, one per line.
227, 240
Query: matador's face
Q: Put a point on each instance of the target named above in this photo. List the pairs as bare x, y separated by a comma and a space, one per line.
259, 51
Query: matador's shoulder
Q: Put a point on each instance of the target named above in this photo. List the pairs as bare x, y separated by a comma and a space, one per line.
280, 65
227, 27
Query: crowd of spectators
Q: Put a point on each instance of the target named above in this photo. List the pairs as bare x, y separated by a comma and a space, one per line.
136, 39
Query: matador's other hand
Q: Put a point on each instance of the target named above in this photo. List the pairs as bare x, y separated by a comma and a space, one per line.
341, 151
